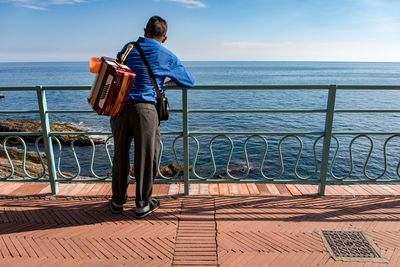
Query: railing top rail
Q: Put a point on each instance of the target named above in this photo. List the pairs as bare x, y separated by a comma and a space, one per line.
17, 88
220, 87
368, 87
255, 87
290, 87
49, 88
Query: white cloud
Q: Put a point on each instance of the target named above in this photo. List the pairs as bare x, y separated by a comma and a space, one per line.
188, 3
41, 4
15, 1
65, 2
254, 44
31, 7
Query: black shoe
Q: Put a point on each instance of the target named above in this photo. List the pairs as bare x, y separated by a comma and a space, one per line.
154, 205
116, 209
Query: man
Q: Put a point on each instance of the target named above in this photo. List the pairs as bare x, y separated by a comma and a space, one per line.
139, 119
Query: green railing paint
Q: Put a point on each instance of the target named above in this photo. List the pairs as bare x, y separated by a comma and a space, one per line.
44, 120
326, 137
185, 124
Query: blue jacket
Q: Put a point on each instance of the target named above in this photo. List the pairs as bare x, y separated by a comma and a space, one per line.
163, 64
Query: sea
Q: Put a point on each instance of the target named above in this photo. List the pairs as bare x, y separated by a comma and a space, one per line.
352, 154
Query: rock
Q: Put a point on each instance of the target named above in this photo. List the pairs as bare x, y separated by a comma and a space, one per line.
16, 153
34, 169
174, 168
24, 125
167, 171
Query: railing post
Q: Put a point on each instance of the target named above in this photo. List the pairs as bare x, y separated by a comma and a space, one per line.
327, 138
48, 145
185, 128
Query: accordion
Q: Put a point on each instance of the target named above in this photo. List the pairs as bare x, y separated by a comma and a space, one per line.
111, 87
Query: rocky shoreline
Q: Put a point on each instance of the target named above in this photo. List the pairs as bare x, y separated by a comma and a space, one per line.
25, 125
33, 164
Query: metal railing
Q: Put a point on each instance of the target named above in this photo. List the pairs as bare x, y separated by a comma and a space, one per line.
323, 166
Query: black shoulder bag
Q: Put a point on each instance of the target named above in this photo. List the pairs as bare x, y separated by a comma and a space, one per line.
162, 101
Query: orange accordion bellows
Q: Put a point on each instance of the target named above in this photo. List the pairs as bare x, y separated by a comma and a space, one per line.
111, 87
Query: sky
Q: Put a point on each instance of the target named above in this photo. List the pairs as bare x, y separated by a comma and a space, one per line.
204, 30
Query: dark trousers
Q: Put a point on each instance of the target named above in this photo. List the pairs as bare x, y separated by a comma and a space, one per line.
138, 121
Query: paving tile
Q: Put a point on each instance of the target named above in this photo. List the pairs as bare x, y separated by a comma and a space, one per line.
332, 191
283, 190
203, 189
95, 189
233, 189
181, 189
28, 189
194, 189
2, 184
131, 191
370, 189
173, 189
389, 189
243, 190
156, 189
86, 189
164, 188
77, 188
223, 189
359, 191
213, 189
304, 189
293, 190
64, 188
262, 188
396, 188
253, 190
105, 189
273, 190
8, 188
45, 190
311, 188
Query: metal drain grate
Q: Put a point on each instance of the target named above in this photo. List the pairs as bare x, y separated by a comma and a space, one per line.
350, 245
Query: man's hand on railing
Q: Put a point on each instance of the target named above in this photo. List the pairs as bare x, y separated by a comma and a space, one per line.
170, 82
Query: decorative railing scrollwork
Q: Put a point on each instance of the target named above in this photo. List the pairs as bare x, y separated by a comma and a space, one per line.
246, 158
75, 156
368, 156
23, 159
175, 157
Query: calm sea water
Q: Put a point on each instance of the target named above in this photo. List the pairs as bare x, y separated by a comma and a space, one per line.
240, 73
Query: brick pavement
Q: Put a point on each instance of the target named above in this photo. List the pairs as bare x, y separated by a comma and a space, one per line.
185, 231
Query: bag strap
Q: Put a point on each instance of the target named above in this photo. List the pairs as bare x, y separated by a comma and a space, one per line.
127, 51
151, 74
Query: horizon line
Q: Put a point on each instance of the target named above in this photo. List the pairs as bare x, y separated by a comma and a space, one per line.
337, 61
